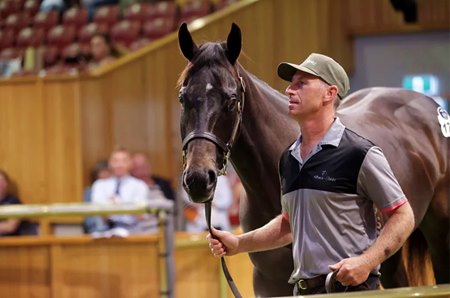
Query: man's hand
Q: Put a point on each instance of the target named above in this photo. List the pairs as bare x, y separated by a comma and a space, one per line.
225, 244
352, 271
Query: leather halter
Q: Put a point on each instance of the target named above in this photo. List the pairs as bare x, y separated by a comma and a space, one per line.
225, 147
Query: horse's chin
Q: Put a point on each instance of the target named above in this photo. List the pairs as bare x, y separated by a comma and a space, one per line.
200, 197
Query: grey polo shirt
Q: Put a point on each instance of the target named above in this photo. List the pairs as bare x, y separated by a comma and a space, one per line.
330, 198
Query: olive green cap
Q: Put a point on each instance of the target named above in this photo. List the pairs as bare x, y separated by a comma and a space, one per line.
321, 66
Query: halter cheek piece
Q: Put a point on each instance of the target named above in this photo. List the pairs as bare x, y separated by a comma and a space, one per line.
225, 147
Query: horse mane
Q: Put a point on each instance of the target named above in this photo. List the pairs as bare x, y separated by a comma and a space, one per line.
209, 54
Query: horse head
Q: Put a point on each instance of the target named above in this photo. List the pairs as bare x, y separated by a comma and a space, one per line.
211, 97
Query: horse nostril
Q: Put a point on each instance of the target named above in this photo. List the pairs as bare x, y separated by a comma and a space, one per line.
212, 177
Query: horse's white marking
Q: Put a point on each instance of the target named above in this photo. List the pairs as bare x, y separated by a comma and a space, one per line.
209, 87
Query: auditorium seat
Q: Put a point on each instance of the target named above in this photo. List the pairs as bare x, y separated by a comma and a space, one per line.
51, 56
167, 9
138, 12
30, 37
156, 28
125, 32
86, 32
8, 7
31, 7
46, 20
194, 9
11, 53
61, 36
6, 38
16, 22
107, 14
75, 16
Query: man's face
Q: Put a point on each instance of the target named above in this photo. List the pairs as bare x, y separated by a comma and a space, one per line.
306, 93
120, 163
141, 167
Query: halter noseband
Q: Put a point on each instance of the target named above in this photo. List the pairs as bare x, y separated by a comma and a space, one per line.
225, 147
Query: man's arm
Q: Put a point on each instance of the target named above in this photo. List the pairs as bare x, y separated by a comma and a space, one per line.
9, 226
354, 271
274, 234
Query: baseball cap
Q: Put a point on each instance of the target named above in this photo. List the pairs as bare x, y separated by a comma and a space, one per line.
321, 66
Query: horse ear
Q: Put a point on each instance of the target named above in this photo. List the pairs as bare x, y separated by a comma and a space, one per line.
234, 43
187, 45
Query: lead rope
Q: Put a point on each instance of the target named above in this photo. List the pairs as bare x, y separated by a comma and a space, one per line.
227, 274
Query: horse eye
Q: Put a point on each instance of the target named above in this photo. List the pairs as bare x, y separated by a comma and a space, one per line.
232, 102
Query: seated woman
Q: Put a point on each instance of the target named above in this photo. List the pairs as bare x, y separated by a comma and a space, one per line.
103, 50
12, 227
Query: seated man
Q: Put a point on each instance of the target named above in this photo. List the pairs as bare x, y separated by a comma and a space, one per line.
142, 170
121, 187
12, 227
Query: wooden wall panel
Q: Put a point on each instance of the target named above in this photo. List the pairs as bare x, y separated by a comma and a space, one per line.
22, 129
63, 147
104, 269
25, 272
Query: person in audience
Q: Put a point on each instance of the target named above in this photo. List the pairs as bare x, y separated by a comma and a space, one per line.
238, 191
194, 213
95, 223
12, 227
142, 170
121, 187
57, 5
102, 50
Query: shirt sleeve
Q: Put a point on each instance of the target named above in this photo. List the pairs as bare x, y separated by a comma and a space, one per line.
377, 182
223, 196
98, 193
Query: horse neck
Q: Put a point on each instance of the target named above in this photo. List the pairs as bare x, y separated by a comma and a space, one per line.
265, 132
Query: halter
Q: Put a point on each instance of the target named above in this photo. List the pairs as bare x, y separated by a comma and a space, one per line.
225, 147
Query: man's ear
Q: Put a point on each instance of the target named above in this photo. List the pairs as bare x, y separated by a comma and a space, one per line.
332, 92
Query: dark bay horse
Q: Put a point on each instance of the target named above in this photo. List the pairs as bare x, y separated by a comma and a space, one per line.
227, 111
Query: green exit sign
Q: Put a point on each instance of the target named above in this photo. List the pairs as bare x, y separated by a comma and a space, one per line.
425, 83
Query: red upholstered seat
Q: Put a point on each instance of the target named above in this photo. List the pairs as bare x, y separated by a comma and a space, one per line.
16, 22
30, 37
194, 9
108, 14
31, 7
46, 20
167, 9
75, 16
61, 36
125, 32
6, 38
156, 28
8, 7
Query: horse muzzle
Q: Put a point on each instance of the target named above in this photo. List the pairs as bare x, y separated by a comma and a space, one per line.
200, 184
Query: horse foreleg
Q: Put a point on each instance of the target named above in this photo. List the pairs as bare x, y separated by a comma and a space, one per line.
393, 272
264, 286
437, 236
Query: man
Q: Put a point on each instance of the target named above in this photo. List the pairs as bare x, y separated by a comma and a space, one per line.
142, 170
121, 187
330, 178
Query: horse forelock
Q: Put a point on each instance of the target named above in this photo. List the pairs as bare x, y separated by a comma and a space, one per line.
211, 55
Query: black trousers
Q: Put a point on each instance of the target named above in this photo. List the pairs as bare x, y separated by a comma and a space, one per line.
372, 283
